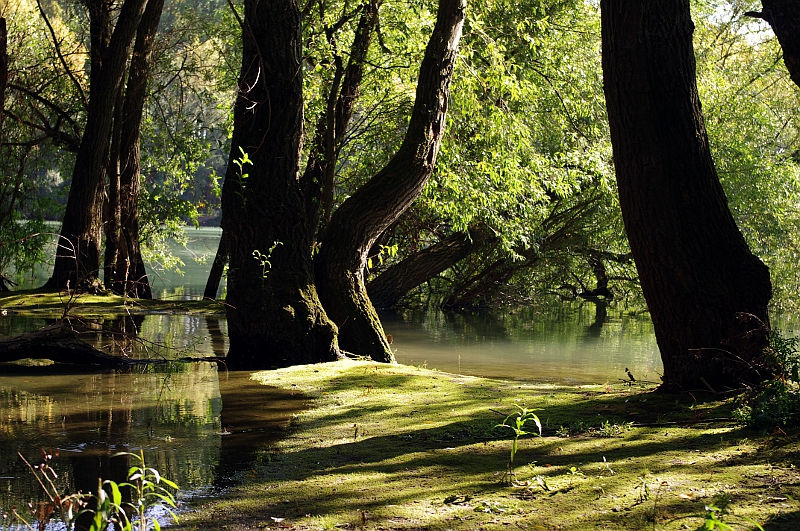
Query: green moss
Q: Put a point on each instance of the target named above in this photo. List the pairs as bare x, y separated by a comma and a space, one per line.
40, 302
396, 447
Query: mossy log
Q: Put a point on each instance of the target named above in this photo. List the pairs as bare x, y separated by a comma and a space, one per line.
61, 343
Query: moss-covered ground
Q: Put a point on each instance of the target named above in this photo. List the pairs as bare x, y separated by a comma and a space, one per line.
394, 447
51, 303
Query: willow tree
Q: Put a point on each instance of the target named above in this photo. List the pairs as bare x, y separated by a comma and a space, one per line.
698, 276
78, 256
274, 315
364, 216
784, 18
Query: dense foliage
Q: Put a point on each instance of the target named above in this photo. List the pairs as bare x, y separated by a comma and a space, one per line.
526, 155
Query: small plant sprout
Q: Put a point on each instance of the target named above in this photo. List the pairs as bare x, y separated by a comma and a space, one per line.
572, 474
263, 259
516, 422
65, 506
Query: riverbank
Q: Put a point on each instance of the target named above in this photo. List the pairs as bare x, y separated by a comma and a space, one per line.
55, 303
399, 447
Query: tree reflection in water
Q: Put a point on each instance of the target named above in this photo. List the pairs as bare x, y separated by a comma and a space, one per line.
174, 412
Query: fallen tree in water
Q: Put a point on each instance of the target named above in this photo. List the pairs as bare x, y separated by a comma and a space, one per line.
59, 342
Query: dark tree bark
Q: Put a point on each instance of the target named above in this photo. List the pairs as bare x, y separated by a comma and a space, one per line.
3, 71
217, 267
319, 179
784, 17
130, 276
694, 265
391, 285
274, 315
78, 256
111, 206
362, 218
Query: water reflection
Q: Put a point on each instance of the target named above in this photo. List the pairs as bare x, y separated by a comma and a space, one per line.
566, 343
174, 413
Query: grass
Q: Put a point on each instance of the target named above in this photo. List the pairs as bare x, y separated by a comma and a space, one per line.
48, 303
397, 447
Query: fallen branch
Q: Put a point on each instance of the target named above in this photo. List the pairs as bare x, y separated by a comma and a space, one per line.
60, 343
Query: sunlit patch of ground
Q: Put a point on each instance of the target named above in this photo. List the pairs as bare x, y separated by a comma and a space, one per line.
395, 447
56, 303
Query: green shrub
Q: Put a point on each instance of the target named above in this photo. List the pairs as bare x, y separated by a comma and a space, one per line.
776, 402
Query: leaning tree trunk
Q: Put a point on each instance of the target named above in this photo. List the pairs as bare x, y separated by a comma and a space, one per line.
78, 255
784, 17
274, 315
319, 178
217, 268
375, 206
694, 265
130, 276
391, 285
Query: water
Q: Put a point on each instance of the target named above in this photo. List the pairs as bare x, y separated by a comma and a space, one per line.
196, 425
188, 282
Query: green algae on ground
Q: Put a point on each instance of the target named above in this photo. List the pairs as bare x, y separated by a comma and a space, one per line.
50, 303
397, 447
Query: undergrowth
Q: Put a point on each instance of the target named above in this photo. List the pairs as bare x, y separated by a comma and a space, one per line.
775, 403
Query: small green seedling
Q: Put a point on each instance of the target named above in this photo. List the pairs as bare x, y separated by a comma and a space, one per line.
516, 422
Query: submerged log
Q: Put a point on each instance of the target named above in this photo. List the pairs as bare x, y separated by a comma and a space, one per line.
57, 342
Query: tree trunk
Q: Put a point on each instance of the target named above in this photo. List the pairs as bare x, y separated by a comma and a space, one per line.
59, 343
78, 257
784, 17
274, 316
3, 71
391, 285
130, 275
111, 210
319, 179
217, 267
356, 225
694, 265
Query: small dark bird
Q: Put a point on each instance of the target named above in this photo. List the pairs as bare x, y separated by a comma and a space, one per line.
630, 375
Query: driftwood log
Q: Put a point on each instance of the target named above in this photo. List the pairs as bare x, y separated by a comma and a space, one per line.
60, 343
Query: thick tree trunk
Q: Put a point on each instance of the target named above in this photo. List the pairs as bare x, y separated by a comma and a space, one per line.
391, 285
130, 275
274, 315
111, 210
78, 256
784, 17
356, 225
695, 268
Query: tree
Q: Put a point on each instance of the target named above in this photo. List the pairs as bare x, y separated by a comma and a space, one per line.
78, 258
696, 270
364, 216
124, 263
274, 315
3, 70
784, 17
